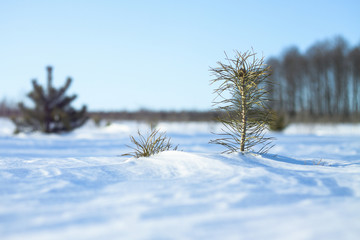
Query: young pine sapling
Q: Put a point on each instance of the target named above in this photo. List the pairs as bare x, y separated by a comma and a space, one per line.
242, 100
146, 146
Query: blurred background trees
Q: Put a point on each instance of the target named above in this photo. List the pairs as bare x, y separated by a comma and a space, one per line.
321, 84
8, 108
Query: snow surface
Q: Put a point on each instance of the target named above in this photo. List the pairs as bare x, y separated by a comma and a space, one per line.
76, 185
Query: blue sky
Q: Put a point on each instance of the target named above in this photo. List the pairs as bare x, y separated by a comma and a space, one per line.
127, 55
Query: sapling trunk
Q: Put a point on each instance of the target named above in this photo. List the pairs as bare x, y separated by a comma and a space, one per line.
243, 112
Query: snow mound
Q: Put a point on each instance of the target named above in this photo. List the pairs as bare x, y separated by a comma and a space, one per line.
178, 164
77, 185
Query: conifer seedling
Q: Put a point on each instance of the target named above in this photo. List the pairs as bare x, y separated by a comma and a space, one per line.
146, 146
242, 99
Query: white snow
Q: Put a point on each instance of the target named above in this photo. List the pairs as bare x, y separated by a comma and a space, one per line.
76, 185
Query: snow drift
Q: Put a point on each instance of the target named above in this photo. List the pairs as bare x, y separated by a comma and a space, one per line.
75, 186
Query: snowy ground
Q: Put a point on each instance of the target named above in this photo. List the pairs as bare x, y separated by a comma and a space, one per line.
76, 186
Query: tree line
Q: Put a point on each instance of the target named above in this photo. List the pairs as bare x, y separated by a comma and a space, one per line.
320, 84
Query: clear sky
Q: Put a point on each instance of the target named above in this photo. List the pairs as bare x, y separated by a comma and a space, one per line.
127, 55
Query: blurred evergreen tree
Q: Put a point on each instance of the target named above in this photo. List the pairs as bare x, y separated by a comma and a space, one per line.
52, 112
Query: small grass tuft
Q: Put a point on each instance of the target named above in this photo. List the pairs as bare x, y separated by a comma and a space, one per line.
154, 143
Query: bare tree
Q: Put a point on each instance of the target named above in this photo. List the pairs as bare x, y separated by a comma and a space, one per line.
354, 61
323, 83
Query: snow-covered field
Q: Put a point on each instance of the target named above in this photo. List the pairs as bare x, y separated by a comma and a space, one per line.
76, 186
